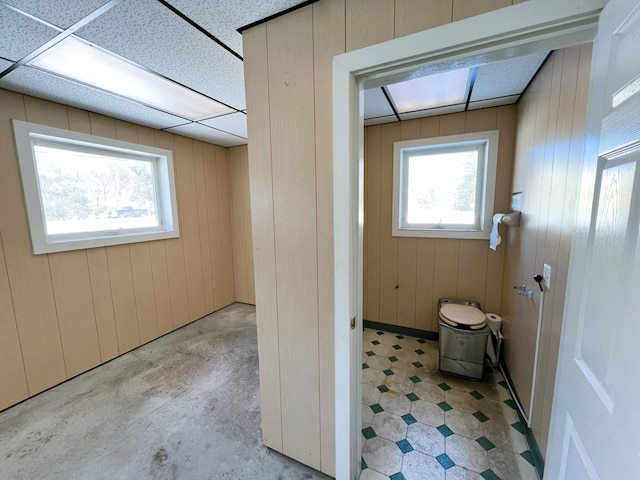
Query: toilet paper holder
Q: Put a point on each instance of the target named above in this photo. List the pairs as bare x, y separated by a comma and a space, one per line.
512, 219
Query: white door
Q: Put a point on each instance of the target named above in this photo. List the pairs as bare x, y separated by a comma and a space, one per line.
595, 424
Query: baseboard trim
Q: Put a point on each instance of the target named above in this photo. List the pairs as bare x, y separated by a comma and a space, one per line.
528, 433
399, 329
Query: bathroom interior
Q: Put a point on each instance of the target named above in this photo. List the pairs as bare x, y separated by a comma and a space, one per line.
406, 278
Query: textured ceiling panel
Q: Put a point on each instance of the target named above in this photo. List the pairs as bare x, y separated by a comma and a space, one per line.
43, 85
147, 33
4, 64
432, 112
380, 120
62, 13
376, 104
21, 35
235, 123
209, 135
508, 77
493, 102
223, 17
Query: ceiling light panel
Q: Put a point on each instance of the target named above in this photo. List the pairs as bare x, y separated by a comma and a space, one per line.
235, 123
432, 91
507, 77
376, 104
37, 83
150, 35
225, 21
79, 61
62, 13
208, 134
20, 35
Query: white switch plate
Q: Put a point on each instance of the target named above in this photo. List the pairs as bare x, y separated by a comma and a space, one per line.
546, 275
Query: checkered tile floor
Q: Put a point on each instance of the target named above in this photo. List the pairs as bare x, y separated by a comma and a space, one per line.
418, 424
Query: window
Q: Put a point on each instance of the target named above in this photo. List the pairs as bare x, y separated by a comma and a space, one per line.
444, 186
83, 191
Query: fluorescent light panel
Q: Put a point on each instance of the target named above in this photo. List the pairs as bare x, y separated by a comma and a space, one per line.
439, 90
85, 63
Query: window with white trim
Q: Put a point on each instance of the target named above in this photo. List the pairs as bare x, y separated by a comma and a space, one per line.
443, 187
83, 191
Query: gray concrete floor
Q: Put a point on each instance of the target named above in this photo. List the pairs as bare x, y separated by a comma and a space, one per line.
185, 406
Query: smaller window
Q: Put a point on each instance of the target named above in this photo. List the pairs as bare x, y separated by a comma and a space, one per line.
83, 191
444, 186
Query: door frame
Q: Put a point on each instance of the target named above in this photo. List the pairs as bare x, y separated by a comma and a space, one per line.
528, 27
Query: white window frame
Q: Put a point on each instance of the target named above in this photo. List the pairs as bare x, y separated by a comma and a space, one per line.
402, 151
26, 134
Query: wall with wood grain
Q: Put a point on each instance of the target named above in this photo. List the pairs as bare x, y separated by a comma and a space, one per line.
64, 313
550, 125
404, 277
288, 87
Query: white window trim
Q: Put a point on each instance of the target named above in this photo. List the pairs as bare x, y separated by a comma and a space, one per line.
26, 132
491, 152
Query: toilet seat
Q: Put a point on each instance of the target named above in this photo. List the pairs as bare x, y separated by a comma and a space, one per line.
462, 316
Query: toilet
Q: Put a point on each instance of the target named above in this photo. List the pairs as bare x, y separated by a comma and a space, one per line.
463, 338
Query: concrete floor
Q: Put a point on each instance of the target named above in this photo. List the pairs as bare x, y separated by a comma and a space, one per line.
185, 406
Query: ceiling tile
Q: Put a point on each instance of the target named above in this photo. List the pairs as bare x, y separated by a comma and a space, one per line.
235, 123
380, 120
376, 104
37, 83
149, 34
223, 17
62, 13
21, 35
432, 112
507, 77
208, 134
493, 102
4, 64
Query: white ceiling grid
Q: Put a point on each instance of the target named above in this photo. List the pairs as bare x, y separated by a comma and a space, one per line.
184, 46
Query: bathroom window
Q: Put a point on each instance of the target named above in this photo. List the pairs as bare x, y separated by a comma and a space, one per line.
83, 191
443, 187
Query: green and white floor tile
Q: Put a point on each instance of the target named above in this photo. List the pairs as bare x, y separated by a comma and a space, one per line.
418, 424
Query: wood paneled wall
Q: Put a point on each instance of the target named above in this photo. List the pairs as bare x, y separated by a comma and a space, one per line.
549, 143
64, 313
241, 207
288, 87
405, 276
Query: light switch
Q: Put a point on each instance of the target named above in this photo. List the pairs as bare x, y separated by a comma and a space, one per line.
546, 275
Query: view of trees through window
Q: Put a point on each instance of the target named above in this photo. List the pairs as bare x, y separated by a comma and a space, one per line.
85, 192
441, 188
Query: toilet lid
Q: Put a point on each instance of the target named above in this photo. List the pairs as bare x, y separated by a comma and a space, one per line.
462, 315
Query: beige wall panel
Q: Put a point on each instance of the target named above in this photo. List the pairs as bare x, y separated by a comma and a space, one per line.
445, 272
425, 260
143, 291
388, 245
261, 186
79, 120
368, 22
74, 305
470, 8
203, 225
472, 270
246, 202
481, 120
12, 376
429, 127
146, 136
226, 235
189, 229
29, 275
328, 40
452, 124
416, 15
372, 232
290, 54
102, 303
46, 113
239, 238
102, 126
213, 212
124, 302
161, 290
127, 132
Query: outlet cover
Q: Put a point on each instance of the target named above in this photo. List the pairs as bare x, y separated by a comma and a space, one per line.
546, 275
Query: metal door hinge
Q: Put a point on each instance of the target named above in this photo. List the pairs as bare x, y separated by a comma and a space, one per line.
353, 323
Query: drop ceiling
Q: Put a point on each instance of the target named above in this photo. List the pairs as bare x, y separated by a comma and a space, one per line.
194, 43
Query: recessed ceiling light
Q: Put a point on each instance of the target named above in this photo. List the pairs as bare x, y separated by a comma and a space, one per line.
82, 62
439, 90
